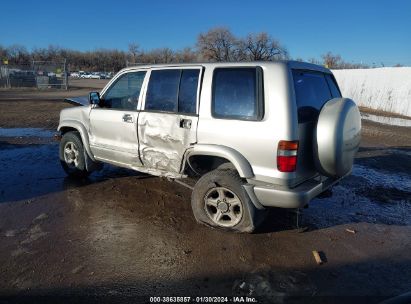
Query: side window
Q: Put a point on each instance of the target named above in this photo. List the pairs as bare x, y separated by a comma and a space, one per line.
237, 93
162, 91
332, 84
312, 92
187, 97
124, 93
173, 90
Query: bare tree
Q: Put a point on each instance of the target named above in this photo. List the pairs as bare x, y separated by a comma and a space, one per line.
261, 47
186, 55
18, 54
162, 55
134, 50
332, 61
3, 54
218, 44
314, 61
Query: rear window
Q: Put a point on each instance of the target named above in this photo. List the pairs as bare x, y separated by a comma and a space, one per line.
237, 93
312, 92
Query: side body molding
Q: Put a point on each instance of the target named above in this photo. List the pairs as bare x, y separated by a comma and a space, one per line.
83, 133
237, 159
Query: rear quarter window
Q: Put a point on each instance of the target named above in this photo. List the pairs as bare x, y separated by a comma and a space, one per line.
312, 92
237, 93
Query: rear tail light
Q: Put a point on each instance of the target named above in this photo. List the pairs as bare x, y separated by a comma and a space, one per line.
287, 156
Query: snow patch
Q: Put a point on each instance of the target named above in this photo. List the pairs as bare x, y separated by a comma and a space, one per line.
387, 89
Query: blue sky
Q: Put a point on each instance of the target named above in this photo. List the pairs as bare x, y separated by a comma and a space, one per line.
368, 31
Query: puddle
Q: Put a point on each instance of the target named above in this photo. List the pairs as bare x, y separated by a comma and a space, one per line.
30, 171
393, 121
376, 178
26, 132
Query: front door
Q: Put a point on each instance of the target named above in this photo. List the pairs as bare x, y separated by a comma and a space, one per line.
168, 124
113, 123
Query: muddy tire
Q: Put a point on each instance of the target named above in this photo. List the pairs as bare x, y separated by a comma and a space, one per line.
220, 201
71, 154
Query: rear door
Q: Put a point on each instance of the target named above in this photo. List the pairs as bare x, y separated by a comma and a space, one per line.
167, 126
113, 123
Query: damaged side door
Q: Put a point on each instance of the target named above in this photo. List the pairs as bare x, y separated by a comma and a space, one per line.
113, 123
168, 124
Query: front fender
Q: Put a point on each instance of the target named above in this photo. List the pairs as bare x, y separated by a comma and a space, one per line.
83, 133
236, 158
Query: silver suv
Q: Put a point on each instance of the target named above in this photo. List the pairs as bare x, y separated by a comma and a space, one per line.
256, 135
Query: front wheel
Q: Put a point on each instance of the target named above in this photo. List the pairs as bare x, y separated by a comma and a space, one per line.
72, 155
220, 201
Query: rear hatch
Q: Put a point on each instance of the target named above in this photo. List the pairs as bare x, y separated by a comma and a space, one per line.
312, 90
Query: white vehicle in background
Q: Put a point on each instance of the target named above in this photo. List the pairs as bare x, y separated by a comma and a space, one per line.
106, 75
85, 75
95, 75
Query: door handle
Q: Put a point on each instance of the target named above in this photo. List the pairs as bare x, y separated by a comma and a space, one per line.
185, 123
127, 118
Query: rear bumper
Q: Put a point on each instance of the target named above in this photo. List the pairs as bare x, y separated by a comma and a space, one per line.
283, 197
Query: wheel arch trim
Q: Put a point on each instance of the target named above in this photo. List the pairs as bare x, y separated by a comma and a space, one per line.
83, 133
236, 158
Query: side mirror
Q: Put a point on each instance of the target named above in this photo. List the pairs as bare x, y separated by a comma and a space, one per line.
94, 98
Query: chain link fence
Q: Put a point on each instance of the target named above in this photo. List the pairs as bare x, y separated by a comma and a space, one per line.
37, 74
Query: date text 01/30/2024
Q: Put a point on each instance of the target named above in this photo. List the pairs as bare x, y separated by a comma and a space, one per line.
203, 300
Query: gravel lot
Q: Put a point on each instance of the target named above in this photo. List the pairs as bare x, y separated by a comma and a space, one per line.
125, 235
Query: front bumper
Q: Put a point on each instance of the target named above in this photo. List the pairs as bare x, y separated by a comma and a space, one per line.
283, 197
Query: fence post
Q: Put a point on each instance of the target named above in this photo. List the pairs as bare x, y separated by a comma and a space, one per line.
8, 82
65, 74
35, 74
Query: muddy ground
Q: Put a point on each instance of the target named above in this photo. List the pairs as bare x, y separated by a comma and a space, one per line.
125, 236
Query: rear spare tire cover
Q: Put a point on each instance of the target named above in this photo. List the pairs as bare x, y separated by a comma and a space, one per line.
337, 137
